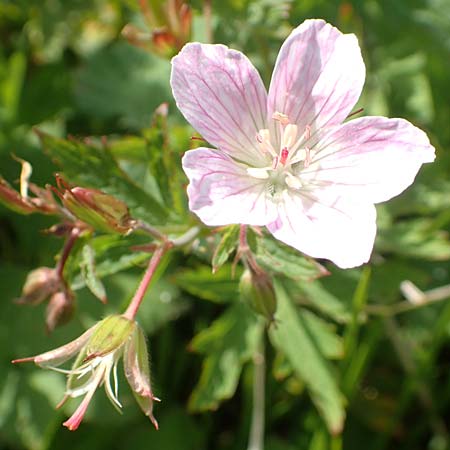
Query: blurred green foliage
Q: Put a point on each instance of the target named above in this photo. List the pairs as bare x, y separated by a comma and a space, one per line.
345, 345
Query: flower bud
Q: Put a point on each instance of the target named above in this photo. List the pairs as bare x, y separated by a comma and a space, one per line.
94, 207
60, 309
39, 285
256, 289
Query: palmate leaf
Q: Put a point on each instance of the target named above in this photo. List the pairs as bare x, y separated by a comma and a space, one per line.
295, 341
277, 257
218, 287
226, 246
96, 167
228, 343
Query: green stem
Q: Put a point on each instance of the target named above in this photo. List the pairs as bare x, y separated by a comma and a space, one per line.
256, 439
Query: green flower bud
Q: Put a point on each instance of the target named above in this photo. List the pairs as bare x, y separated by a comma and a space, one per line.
256, 289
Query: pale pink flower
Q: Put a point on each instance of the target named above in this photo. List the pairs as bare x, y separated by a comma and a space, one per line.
285, 159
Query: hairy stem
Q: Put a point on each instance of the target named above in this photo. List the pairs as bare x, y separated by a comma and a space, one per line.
256, 439
68, 245
153, 264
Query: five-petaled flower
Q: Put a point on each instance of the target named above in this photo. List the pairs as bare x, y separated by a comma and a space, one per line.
285, 159
99, 350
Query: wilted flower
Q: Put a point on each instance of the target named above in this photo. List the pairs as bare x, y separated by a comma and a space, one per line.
284, 159
99, 350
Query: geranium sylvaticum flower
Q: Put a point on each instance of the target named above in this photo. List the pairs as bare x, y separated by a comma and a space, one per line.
98, 352
285, 158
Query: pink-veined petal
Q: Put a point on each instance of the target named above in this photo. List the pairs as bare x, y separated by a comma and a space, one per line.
318, 76
221, 192
373, 157
222, 96
325, 226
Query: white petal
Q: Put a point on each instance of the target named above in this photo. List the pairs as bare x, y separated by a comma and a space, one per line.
222, 192
325, 226
222, 96
318, 76
372, 157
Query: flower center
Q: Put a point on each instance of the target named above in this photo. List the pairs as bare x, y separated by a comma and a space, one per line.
288, 156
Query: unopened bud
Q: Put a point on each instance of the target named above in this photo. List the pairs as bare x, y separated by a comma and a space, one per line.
101, 211
60, 309
39, 285
257, 291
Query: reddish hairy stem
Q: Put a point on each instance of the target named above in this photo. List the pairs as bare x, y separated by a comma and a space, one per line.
68, 245
136, 301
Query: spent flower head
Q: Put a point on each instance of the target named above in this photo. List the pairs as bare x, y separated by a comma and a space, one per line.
285, 159
98, 352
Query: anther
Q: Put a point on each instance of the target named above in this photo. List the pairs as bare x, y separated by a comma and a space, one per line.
280, 117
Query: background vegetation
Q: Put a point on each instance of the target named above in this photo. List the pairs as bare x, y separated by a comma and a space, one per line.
347, 342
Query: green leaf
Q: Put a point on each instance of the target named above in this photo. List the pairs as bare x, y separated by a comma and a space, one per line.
324, 334
92, 166
292, 337
228, 343
218, 287
88, 272
417, 238
315, 295
226, 246
122, 81
275, 256
112, 255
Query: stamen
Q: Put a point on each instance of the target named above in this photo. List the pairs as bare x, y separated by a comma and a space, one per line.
292, 181
258, 172
307, 157
280, 117
289, 136
275, 163
263, 138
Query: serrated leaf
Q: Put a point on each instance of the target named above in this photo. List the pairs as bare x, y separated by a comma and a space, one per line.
292, 338
89, 274
113, 255
329, 343
219, 287
275, 256
315, 295
229, 343
226, 246
92, 166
